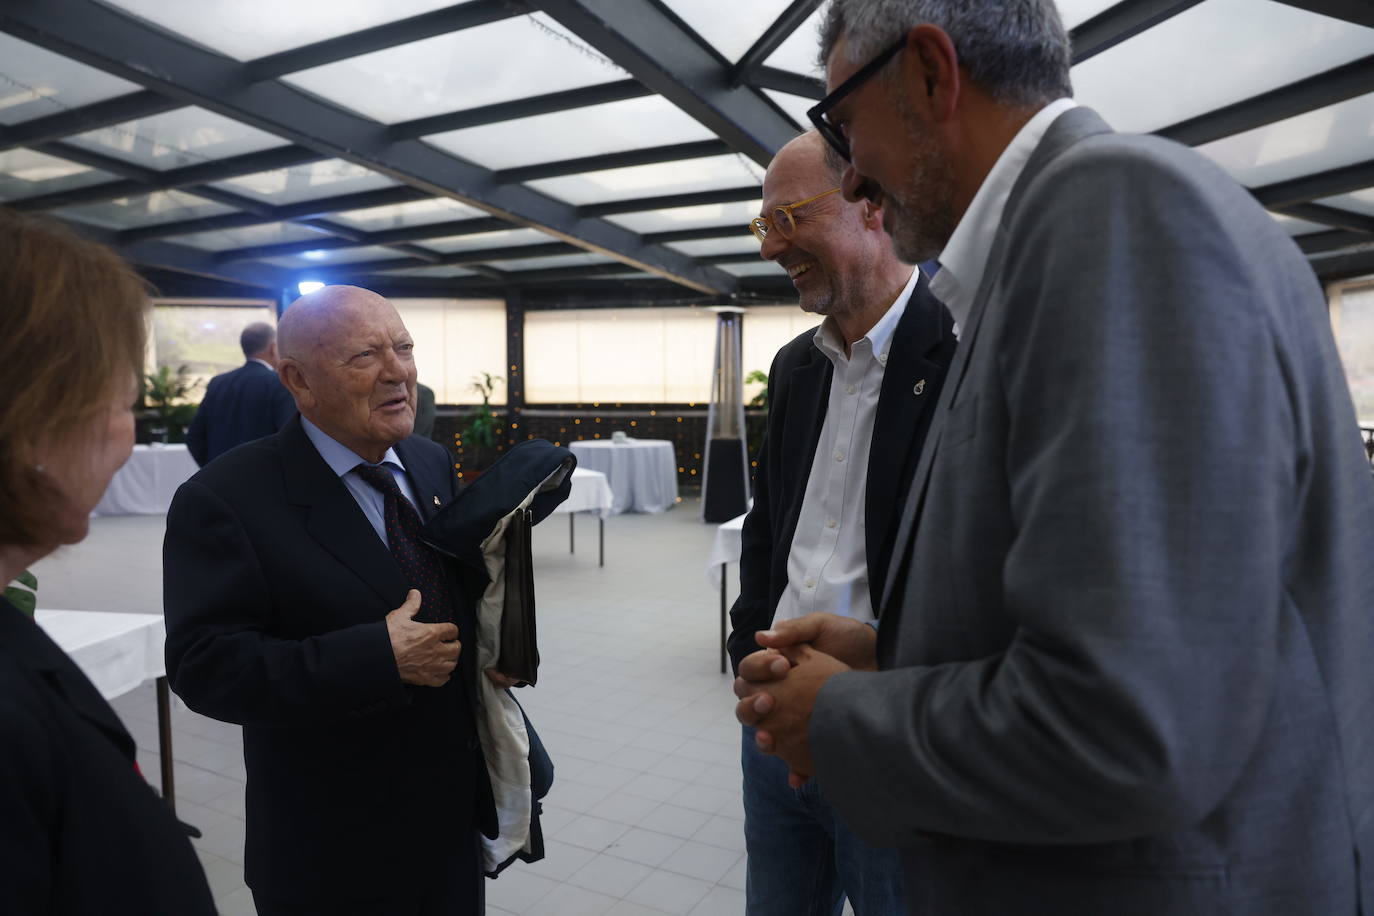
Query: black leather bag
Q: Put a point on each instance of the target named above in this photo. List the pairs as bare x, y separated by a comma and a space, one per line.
519, 656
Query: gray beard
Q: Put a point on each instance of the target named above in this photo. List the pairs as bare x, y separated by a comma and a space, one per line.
922, 206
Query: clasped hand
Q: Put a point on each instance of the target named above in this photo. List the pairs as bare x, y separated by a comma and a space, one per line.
777, 686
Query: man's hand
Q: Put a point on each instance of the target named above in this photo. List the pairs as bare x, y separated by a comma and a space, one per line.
780, 704
844, 638
426, 653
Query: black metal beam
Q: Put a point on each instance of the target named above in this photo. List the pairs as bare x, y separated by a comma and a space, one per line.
1331, 216
737, 257
94, 34
651, 156
1356, 262
786, 81
668, 201
651, 43
564, 100
1315, 242
1313, 187
1329, 88
695, 235
1356, 11
88, 117
185, 178
404, 31
1120, 22
772, 37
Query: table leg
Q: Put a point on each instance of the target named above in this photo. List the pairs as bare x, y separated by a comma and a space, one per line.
601, 534
723, 568
571, 532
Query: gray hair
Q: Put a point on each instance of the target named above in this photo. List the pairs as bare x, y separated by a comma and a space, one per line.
257, 337
1015, 50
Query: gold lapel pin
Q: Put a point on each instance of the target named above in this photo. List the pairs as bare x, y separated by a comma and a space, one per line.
920, 388
436, 501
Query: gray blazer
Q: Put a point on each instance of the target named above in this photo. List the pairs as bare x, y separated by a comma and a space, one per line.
1131, 669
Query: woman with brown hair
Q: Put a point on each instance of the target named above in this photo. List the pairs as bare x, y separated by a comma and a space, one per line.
80, 830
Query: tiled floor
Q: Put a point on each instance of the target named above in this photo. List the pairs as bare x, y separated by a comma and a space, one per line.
644, 817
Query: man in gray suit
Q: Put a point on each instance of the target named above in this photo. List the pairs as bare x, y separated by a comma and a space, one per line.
1123, 661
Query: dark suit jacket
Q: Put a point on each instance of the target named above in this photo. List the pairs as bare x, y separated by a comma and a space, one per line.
799, 390
275, 589
239, 406
1129, 669
80, 831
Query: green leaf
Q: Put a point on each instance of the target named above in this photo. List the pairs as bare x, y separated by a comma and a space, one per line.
29, 579
24, 595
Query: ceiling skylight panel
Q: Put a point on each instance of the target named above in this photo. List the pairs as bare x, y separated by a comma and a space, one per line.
729, 26
1358, 202
1327, 138
399, 216
35, 82
186, 136
698, 217
551, 261
250, 236
744, 243
503, 238
498, 62
711, 173
308, 181
29, 173
144, 210
329, 257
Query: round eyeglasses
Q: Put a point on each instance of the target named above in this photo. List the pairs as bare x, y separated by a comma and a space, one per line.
781, 218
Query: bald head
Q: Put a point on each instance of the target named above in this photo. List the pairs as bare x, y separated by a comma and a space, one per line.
348, 360
809, 152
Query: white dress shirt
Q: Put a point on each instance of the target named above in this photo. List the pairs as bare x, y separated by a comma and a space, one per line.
965, 257
827, 564
342, 460
262, 362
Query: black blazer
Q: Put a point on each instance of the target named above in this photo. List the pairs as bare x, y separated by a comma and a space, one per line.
80, 830
275, 590
799, 392
239, 406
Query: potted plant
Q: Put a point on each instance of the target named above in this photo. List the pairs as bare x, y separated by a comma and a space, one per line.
479, 436
164, 396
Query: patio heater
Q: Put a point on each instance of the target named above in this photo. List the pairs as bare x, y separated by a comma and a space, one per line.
725, 473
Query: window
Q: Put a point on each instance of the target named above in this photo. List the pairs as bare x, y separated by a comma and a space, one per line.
456, 339
203, 335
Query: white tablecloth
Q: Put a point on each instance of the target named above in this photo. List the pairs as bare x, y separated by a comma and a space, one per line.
642, 472
116, 651
148, 480
726, 548
590, 493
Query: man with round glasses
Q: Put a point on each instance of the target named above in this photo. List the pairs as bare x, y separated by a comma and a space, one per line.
849, 405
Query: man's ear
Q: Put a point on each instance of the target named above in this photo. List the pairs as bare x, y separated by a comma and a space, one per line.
873, 216
930, 70
289, 371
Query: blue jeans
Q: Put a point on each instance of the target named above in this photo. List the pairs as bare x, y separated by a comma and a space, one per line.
803, 860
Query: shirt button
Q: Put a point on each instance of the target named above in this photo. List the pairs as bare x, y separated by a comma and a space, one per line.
851, 389
810, 583
839, 456
830, 523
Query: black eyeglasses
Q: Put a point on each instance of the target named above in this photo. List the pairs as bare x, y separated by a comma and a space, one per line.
819, 114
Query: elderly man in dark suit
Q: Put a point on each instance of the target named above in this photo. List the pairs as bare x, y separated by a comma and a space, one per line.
244, 404
1124, 661
303, 604
849, 403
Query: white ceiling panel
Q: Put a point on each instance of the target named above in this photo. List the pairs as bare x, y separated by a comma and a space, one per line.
1327, 138
144, 210
35, 82
590, 131
328, 257
744, 243
1294, 226
248, 29
794, 105
761, 269
310, 181
681, 177
250, 236
437, 270
399, 216
477, 241
698, 217
798, 52
553, 260
29, 173
1358, 202
186, 136
498, 62
1218, 52
729, 26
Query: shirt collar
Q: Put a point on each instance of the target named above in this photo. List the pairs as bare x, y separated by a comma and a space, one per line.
879, 337
263, 362
340, 458
965, 257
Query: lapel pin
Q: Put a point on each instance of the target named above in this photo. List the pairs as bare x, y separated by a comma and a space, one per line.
920, 388
436, 501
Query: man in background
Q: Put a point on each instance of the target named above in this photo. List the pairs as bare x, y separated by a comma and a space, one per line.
244, 404
850, 402
1124, 661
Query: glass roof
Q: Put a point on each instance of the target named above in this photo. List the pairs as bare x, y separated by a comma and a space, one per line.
629, 124
761, 269
437, 270
798, 52
795, 106
682, 177
698, 217
1294, 226
144, 210
310, 181
554, 260
247, 29
1327, 138
1358, 202
186, 136
1265, 45
729, 26
745, 243
459, 70
326, 257
35, 82
28, 173
477, 241
250, 236
398, 216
